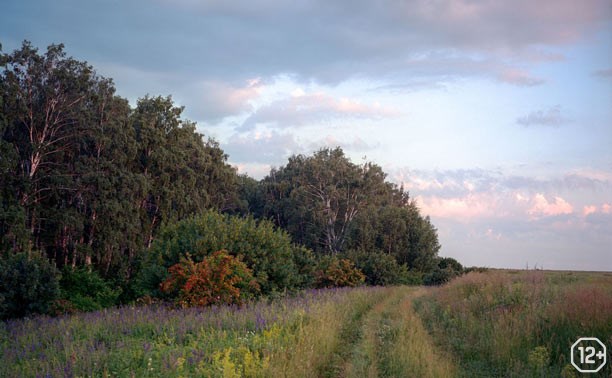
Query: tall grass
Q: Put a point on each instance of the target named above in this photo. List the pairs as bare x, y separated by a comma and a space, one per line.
395, 343
293, 336
519, 324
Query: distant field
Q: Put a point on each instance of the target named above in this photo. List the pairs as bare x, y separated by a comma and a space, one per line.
498, 323
519, 323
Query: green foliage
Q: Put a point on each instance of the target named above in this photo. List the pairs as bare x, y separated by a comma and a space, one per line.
437, 277
122, 193
85, 290
478, 269
539, 358
88, 180
266, 250
450, 263
381, 268
305, 265
28, 285
399, 231
317, 198
218, 279
447, 268
335, 272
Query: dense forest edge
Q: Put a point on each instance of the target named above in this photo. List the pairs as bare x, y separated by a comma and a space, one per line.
103, 204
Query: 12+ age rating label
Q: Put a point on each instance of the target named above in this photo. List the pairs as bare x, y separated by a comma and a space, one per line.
589, 355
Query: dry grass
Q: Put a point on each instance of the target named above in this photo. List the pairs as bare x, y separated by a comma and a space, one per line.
494, 321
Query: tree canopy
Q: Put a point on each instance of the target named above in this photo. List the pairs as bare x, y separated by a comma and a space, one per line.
87, 179
114, 195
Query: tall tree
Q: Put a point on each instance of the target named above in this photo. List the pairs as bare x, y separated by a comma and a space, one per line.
400, 231
317, 198
85, 178
183, 174
45, 104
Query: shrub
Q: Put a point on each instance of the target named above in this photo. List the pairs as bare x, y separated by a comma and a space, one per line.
266, 250
382, 269
447, 269
478, 269
450, 263
28, 285
218, 279
86, 290
334, 272
305, 264
438, 276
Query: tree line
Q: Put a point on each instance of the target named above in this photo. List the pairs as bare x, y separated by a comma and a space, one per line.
90, 185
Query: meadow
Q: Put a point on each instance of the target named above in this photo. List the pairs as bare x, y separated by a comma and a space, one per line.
519, 323
496, 323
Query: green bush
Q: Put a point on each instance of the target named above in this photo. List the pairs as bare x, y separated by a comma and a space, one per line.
306, 264
382, 269
438, 276
28, 285
450, 263
86, 290
335, 272
267, 251
447, 269
479, 269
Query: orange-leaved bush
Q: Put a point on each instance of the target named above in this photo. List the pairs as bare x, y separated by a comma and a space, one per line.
219, 279
334, 272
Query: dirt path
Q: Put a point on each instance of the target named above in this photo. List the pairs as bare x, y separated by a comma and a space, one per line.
389, 340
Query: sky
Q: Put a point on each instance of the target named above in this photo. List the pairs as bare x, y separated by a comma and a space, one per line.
496, 116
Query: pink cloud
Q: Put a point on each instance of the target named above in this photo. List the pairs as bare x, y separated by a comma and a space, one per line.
605, 208
589, 210
459, 208
519, 77
543, 207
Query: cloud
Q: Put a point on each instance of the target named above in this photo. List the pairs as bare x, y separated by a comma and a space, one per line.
465, 195
304, 109
519, 77
460, 209
215, 100
255, 170
543, 207
586, 210
549, 117
605, 208
605, 74
521, 217
355, 144
461, 182
448, 183
328, 42
261, 147
209, 100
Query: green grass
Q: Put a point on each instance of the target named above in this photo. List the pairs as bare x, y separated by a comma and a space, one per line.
518, 323
499, 323
299, 336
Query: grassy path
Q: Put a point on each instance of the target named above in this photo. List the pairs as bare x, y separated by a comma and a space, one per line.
373, 334
361, 332
394, 342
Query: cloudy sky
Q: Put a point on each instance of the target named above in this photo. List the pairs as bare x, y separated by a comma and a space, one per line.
495, 115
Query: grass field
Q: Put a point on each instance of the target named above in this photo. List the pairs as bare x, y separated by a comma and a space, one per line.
498, 323
519, 323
